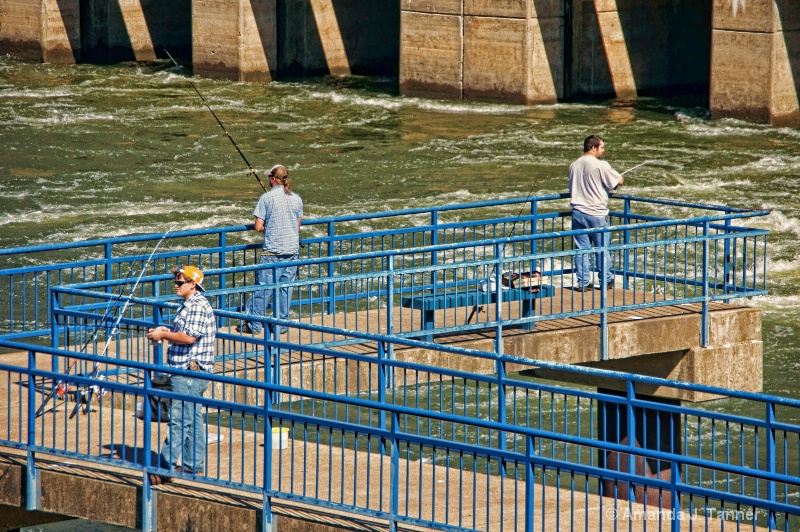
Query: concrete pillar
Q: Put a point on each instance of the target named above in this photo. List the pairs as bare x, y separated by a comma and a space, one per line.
235, 39
755, 61
656, 432
514, 50
431, 48
41, 30
502, 50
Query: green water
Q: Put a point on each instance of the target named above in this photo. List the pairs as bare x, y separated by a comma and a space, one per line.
89, 151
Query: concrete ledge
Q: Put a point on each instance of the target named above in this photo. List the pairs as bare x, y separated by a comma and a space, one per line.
667, 347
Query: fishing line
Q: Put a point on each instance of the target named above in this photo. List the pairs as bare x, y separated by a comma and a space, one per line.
60, 387
115, 329
252, 170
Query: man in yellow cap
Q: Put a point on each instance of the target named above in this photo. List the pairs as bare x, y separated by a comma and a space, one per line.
191, 347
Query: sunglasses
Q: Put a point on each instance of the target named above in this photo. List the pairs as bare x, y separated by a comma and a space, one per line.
181, 283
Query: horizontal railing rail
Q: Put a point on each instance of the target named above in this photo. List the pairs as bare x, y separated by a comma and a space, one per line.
23, 305
409, 443
392, 291
411, 422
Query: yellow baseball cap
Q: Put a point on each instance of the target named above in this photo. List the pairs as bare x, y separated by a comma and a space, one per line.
194, 274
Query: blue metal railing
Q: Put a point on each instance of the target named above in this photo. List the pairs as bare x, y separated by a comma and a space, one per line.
412, 443
24, 305
388, 439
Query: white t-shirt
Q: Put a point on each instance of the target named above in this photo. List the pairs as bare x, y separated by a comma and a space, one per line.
590, 181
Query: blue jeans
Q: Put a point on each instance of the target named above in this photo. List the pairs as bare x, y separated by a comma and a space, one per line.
187, 428
582, 265
257, 304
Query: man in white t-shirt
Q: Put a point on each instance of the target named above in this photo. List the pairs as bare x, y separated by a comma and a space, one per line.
590, 181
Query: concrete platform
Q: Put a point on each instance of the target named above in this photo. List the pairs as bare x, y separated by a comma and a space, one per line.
662, 341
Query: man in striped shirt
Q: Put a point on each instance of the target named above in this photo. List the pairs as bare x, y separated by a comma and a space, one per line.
278, 214
191, 347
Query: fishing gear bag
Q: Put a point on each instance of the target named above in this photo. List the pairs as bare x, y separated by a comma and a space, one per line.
159, 406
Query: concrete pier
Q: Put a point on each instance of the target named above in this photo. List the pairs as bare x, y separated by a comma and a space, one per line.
745, 56
755, 68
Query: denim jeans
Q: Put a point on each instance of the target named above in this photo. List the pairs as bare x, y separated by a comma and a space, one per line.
257, 304
583, 271
187, 428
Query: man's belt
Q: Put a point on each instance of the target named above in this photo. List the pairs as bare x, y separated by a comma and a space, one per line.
271, 254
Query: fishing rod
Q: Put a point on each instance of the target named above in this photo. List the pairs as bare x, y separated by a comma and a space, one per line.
89, 390
61, 388
635, 167
252, 170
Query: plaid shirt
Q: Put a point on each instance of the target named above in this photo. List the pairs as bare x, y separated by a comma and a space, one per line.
195, 317
280, 213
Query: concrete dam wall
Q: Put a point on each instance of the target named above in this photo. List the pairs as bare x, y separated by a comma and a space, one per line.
743, 55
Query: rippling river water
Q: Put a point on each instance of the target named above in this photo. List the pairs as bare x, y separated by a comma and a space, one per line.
89, 151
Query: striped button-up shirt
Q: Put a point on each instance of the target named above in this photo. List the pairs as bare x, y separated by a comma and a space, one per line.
280, 212
195, 317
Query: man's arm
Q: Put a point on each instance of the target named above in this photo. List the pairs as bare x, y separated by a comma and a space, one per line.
162, 333
259, 225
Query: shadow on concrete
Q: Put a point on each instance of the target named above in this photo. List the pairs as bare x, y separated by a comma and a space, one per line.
132, 454
106, 37
667, 48
71, 20
368, 30
558, 52
371, 35
789, 16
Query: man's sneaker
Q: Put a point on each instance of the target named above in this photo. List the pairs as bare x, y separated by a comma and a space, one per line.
244, 328
157, 480
582, 288
610, 285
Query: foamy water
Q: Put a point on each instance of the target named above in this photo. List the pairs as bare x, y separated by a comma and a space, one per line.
88, 152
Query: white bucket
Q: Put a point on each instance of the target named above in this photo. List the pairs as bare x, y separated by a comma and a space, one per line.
280, 438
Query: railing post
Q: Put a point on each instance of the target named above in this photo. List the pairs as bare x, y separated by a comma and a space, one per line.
382, 390
727, 258
158, 348
33, 489
704, 316
54, 328
223, 260
675, 478
498, 307
390, 314
530, 483
394, 493
331, 284
149, 517
771, 458
268, 520
626, 239
631, 429
500, 369
534, 232
108, 251
434, 242
606, 236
